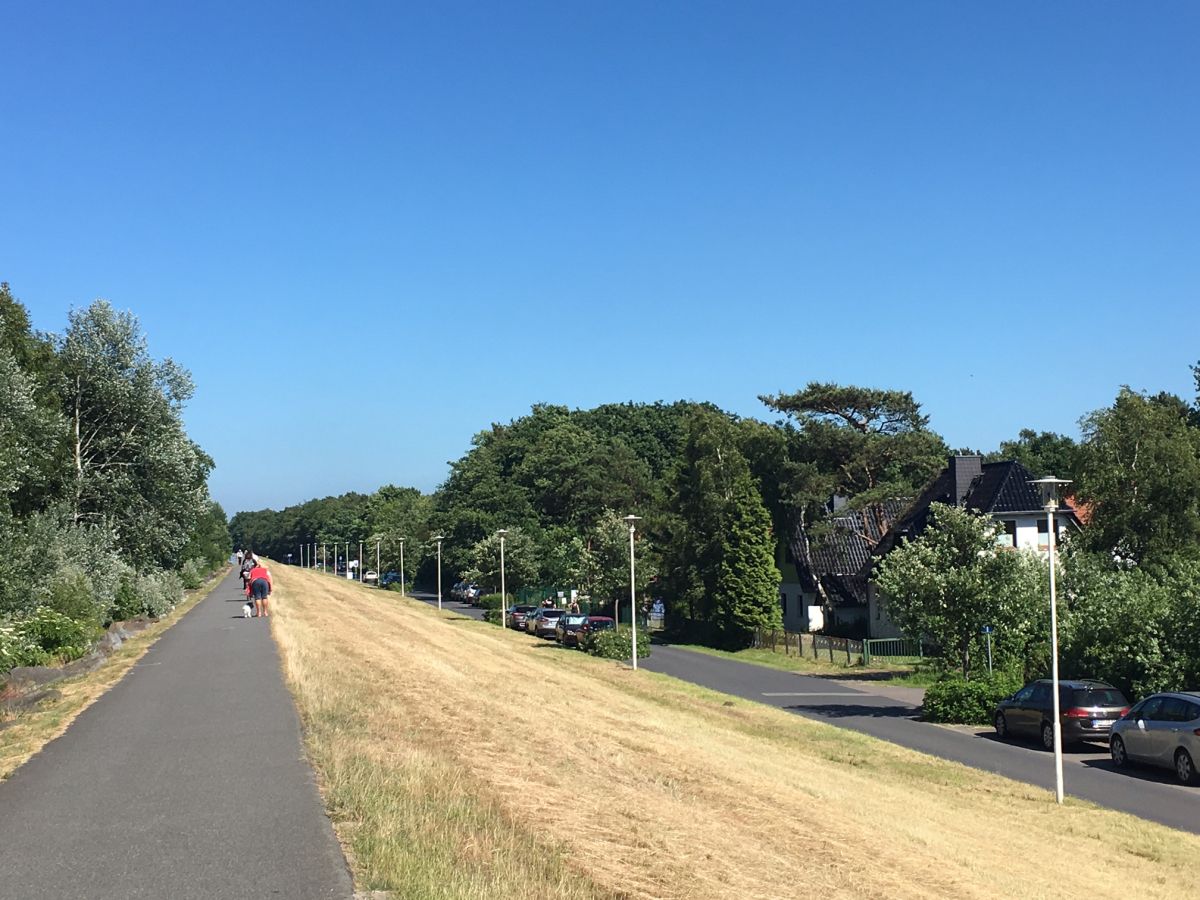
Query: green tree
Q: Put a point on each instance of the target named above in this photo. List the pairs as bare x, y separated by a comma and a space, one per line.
1042, 453
722, 556
953, 579
1118, 625
1140, 477
520, 561
132, 463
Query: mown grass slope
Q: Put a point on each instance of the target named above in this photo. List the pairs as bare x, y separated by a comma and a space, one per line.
459, 760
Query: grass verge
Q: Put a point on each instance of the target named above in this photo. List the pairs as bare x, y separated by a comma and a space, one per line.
28, 731
458, 760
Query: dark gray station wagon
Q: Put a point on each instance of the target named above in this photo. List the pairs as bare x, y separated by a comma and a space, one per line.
1087, 711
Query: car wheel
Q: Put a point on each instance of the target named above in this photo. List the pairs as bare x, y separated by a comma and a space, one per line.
1185, 769
1116, 749
1001, 724
1047, 736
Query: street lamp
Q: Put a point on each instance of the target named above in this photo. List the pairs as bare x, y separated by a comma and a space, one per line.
378, 542
402, 567
632, 520
1048, 489
439, 538
503, 594
360, 568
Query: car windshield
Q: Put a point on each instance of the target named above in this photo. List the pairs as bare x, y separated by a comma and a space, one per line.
574, 620
552, 613
525, 609
1098, 697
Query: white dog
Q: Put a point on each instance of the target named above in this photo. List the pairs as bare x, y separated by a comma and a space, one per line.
247, 610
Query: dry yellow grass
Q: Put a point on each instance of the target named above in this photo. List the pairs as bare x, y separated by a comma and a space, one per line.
444, 777
28, 731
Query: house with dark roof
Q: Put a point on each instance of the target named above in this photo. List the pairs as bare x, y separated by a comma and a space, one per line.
832, 568
841, 559
999, 489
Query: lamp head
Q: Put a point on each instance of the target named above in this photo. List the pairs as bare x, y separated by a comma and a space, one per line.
502, 532
1048, 490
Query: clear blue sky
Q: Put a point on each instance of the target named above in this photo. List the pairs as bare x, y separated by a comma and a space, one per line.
389, 225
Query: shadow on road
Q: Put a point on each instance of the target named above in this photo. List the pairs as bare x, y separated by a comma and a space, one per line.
1141, 773
1034, 746
860, 710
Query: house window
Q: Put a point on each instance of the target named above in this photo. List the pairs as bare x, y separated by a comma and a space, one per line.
788, 556
1043, 528
1008, 537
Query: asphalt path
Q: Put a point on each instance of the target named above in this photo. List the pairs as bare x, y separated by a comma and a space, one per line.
186, 780
892, 714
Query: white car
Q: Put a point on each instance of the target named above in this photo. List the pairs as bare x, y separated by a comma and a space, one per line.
371, 577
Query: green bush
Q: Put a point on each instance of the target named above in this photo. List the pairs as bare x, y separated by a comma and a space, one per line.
492, 601
492, 615
17, 649
617, 644
58, 635
71, 594
953, 699
192, 574
153, 594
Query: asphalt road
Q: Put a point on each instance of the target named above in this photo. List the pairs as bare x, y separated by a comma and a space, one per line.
883, 712
186, 780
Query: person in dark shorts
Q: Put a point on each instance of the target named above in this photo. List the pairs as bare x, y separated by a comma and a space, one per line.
258, 589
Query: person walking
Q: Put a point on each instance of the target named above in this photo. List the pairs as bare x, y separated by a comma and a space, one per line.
258, 589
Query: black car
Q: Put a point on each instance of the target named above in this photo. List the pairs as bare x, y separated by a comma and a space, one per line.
1087, 711
389, 578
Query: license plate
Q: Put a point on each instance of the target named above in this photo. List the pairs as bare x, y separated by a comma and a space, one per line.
1102, 723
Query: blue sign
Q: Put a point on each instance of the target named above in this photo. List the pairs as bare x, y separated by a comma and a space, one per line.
986, 629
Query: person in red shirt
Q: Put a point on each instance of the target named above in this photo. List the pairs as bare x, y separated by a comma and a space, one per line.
258, 589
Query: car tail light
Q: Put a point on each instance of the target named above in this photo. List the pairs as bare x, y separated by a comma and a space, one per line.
1123, 712
1196, 732
1077, 713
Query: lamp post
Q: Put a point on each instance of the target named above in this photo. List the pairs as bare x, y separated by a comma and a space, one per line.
324, 565
360, 569
401, 567
503, 593
439, 538
377, 576
632, 520
1048, 488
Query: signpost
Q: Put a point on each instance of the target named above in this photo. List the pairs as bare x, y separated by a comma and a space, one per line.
987, 630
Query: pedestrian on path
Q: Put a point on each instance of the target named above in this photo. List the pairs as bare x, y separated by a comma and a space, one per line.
258, 589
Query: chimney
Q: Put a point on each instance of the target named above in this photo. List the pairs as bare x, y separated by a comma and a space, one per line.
963, 471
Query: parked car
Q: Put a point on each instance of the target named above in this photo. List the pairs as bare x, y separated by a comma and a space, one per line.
517, 616
566, 629
389, 578
471, 594
545, 622
1163, 730
370, 576
593, 626
1087, 711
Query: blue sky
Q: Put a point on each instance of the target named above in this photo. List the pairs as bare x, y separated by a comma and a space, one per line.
387, 225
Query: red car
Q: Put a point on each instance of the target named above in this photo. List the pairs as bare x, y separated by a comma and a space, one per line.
591, 627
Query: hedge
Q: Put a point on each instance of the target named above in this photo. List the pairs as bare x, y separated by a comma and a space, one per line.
617, 644
953, 699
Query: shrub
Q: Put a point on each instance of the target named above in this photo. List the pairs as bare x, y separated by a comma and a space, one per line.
58, 635
192, 574
395, 586
492, 615
953, 699
153, 594
70, 593
492, 601
17, 649
617, 644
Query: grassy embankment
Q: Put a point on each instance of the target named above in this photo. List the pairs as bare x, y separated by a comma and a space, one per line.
25, 733
459, 760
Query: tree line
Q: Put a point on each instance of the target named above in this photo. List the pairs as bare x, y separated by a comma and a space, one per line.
106, 514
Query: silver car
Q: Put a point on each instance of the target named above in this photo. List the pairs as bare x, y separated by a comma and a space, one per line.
1163, 730
544, 624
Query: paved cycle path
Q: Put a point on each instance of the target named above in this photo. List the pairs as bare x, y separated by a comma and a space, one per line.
186, 780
